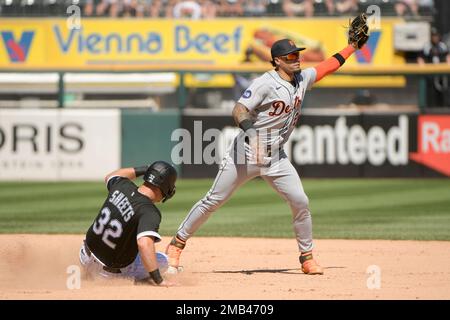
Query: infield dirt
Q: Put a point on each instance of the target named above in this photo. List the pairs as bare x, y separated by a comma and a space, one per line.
35, 267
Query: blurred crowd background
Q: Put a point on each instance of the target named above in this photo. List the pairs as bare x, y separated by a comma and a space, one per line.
209, 9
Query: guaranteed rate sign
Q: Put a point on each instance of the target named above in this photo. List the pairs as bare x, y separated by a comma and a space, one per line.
344, 144
353, 145
433, 136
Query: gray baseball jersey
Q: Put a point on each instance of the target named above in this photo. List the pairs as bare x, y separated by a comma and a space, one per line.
274, 106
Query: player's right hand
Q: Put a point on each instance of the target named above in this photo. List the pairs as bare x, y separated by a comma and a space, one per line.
258, 153
167, 283
149, 281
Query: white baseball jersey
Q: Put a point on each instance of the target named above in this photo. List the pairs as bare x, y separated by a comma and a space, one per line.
275, 103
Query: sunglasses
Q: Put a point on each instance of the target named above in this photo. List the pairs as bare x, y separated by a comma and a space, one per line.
291, 57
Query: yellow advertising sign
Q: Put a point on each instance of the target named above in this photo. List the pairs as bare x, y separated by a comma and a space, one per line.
113, 44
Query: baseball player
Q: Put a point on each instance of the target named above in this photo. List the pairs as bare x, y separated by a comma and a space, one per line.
120, 241
267, 112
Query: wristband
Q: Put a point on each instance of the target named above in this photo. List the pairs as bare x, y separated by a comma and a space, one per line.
339, 58
140, 171
156, 276
246, 124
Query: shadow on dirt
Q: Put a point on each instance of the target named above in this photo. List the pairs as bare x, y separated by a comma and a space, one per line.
285, 271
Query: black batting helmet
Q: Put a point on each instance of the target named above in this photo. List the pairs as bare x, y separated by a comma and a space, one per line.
162, 175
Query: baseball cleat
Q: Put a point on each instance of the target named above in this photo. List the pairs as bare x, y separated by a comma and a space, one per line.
173, 252
309, 265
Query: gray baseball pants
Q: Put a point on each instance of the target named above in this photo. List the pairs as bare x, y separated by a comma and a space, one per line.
281, 175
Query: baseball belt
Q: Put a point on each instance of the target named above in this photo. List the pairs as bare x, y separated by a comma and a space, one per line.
106, 268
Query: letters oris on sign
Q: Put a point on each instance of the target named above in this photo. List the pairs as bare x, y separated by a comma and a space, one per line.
30, 137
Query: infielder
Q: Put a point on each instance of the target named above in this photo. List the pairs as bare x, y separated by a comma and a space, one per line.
267, 112
120, 241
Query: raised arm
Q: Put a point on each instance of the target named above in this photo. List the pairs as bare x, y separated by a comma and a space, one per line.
358, 34
130, 173
334, 62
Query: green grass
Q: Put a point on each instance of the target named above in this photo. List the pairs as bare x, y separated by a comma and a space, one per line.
341, 208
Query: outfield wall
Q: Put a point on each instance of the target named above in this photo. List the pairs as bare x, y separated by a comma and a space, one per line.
351, 145
55, 43
63, 144
98, 44
48, 144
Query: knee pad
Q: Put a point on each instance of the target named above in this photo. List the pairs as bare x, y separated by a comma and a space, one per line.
300, 203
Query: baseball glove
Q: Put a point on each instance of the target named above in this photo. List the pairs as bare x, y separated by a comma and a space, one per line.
358, 32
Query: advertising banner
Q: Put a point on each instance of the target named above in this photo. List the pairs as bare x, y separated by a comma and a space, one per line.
359, 145
118, 44
54, 43
45, 144
433, 143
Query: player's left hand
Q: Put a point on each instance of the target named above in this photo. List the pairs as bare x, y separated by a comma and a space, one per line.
358, 32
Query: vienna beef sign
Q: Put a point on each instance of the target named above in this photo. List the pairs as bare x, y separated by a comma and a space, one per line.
433, 143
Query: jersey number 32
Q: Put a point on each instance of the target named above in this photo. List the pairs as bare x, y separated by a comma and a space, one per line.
113, 231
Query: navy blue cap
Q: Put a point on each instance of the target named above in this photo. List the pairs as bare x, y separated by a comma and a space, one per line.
283, 47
